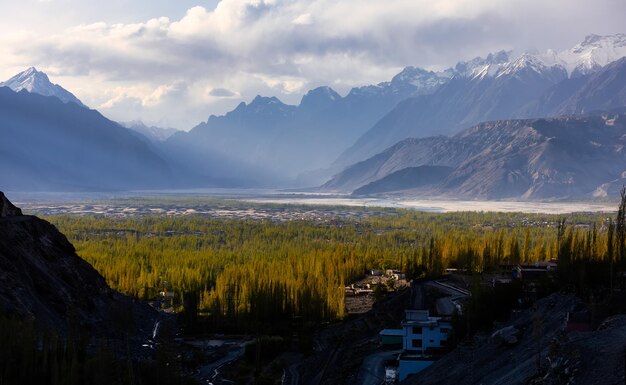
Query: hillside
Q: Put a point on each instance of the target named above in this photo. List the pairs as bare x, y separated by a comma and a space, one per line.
50, 145
43, 280
577, 358
566, 157
407, 178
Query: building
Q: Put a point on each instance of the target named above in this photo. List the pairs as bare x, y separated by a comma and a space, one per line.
395, 274
425, 334
424, 340
391, 337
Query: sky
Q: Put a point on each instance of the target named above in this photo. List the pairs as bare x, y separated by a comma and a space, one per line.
175, 62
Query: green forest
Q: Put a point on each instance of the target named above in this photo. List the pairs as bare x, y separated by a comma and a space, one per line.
249, 273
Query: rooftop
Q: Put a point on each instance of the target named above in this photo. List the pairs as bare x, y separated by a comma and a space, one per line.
391, 332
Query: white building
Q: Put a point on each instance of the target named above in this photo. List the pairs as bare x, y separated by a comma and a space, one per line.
424, 339
425, 334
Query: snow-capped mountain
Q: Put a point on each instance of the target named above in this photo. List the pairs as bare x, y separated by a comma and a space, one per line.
291, 139
499, 87
480, 66
585, 58
418, 81
589, 56
38, 82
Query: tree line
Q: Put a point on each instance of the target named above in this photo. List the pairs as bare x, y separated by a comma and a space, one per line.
249, 273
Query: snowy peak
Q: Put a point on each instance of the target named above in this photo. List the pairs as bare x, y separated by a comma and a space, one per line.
30, 80
422, 80
529, 65
524, 61
596, 52
585, 58
479, 67
409, 74
589, 56
411, 81
38, 82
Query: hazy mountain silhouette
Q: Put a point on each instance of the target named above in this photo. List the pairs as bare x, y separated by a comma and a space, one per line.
50, 145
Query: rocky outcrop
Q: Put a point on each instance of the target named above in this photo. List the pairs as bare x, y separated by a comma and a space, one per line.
43, 280
7, 209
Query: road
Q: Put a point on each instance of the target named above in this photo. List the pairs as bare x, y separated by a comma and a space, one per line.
210, 372
290, 375
448, 305
372, 371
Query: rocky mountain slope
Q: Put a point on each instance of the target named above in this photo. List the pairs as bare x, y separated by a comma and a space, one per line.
588, 77
38, 82
405, 179
602, 90
587, 358
566, 157
43, 280
50, 145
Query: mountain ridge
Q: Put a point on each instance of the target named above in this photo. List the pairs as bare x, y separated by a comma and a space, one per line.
43, 280
494, 88
37, 82
50, 145
528, 159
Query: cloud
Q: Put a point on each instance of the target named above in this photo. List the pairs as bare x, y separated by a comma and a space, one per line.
304, 19
284, 47
222, 93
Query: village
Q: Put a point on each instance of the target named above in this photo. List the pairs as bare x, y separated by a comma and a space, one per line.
426, 332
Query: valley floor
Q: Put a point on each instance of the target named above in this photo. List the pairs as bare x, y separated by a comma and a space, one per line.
275, 205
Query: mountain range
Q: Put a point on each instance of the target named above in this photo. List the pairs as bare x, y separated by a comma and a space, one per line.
500, 87
329, 132
55, 142
286, 140
546, 158
47, 144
